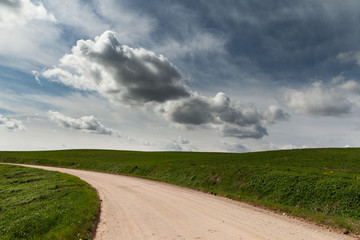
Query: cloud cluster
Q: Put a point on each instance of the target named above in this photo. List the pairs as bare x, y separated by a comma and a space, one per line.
138, 77
322, 100
11, 124
118, 72
234, 120
85, 124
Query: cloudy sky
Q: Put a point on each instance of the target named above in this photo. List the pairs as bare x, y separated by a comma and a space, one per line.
231, 76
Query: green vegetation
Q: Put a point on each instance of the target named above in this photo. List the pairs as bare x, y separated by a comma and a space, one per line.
38, 204
321, 185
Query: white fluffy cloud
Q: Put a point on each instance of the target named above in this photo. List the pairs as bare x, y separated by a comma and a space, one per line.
321, 100
118, 72
85, 124
14, 12
11, 124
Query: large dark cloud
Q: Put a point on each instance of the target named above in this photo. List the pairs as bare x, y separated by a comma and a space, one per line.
194, 110
118, 72
233, 120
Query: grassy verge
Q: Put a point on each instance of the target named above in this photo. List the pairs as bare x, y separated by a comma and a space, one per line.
38, 204
321, 185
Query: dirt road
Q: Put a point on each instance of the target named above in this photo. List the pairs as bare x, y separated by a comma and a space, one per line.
134, 208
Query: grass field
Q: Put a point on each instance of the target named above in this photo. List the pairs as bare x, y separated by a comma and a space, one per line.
321, 185
38, 204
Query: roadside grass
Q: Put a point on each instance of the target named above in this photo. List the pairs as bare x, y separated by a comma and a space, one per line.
320, 185
38, 204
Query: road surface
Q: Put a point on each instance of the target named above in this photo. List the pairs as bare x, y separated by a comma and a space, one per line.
135, 208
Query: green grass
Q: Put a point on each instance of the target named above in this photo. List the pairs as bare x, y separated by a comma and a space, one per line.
38, 204
321, 185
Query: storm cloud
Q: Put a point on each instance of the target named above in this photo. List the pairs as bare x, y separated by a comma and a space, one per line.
122, 74
85, 124
11, 124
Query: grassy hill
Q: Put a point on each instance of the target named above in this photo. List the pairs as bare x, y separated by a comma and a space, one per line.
321, 185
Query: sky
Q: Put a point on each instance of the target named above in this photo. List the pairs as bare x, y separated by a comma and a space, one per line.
215, 76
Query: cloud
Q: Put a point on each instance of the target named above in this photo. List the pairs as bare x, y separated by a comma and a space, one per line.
120, 73
349, 57
347, 86
319, 100
13, 12
11, 124
36, 75
85, 124
350, 86
274, 114
240, 121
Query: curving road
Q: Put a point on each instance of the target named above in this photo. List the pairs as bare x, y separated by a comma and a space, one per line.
134, 208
